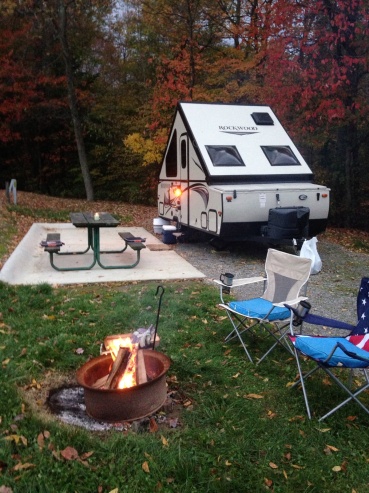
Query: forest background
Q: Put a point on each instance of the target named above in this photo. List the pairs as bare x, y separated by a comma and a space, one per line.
88, 88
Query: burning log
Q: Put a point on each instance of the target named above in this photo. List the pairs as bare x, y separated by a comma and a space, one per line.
118, 368
141, 374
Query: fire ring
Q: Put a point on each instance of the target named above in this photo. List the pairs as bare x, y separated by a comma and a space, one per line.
124, 404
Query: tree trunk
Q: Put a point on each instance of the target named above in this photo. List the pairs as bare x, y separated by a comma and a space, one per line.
62, 34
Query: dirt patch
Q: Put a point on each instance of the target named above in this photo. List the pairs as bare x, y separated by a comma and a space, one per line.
59, 398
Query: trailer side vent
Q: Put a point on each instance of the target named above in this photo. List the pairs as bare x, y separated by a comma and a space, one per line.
262, 118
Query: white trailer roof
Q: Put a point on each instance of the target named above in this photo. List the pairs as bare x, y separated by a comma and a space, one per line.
237, 140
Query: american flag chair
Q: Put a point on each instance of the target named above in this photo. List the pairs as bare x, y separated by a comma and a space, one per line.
286, 276
350, 351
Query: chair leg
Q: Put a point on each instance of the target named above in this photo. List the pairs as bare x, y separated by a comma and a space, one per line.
353, 395
236, 333
279, 340
302, 382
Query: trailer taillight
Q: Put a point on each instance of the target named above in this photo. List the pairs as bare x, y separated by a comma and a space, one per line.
324, 195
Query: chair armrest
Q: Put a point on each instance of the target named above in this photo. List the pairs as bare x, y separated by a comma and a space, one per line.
241, 282
350, 354
313, 319
291, 303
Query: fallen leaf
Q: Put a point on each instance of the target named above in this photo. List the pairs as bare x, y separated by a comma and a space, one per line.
41, 441
86, 455
253, 396
272, 465
5, 489
337, 468
17, 439
153, 425
79, 350
20, 466
145, 467
332, 448
297, 418
69, 453
164, 441
268, 482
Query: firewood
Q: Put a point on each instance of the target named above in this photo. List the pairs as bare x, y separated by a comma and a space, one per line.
118, 368
100, 382
141, 368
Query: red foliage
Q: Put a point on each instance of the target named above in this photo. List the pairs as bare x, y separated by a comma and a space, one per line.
317, 66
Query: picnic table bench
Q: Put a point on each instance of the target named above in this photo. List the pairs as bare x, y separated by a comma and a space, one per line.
53, 243
134, 242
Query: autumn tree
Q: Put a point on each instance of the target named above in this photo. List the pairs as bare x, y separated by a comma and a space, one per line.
317, 76
210, 52
28, 97
71, 20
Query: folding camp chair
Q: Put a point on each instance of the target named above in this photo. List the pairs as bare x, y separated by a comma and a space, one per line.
348, 351
286, 276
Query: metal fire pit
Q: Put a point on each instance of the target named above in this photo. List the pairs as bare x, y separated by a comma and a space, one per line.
124, 404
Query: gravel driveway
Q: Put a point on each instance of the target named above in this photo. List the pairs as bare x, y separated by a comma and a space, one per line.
332, 292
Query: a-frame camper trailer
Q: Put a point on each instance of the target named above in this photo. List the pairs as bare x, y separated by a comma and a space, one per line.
233, 172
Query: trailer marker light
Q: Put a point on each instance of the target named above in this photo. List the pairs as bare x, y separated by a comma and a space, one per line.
177, 192
324, 195
229, 198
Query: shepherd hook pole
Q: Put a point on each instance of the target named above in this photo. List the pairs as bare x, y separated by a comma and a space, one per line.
157, 316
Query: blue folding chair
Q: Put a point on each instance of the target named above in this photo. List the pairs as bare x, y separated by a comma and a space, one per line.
286, 277
350, 351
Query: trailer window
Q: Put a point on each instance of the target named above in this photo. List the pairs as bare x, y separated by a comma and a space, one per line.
280, 156
171, 157
183, 154
225, 156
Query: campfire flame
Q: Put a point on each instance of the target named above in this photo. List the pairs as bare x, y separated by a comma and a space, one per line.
129, 378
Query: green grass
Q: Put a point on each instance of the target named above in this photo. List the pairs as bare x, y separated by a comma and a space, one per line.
55, 215
228, 441
7, 231
361, 245
49, 214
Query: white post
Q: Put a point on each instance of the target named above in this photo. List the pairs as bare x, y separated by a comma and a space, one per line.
13, 189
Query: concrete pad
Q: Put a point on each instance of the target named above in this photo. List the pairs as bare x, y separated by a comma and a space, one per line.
30, 264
